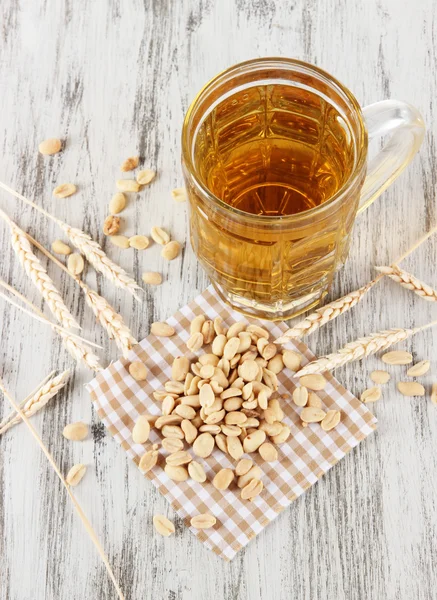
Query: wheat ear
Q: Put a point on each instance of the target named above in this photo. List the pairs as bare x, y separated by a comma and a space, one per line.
88, 247
38, 400
77, 506
107, 316
409, 281
360, 349
39, 275
77, 346
326, 313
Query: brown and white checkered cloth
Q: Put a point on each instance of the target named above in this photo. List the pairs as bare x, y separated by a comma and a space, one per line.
303, 458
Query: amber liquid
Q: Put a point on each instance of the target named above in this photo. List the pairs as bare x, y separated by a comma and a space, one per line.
272, 150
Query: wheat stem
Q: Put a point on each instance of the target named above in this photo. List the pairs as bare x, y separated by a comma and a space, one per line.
76, 504
39, 399
89, 248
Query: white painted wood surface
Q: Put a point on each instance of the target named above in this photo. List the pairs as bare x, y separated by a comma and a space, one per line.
114, 78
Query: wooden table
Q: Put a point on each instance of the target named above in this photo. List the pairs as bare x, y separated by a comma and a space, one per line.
113, 79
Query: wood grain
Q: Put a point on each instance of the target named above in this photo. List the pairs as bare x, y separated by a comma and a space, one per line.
115, 78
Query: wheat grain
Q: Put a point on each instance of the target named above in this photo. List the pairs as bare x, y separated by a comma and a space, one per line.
409, 281
80, 351
38, 400
356, 350
109, 319
39, 275
327, 313
76, 504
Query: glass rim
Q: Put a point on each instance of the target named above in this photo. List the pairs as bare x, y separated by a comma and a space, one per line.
247, 66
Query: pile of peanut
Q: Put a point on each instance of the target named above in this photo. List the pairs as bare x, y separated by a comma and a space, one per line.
227, 398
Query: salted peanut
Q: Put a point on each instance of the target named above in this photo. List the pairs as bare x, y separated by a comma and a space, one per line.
206, 371
59, 247
245, 342
117, 203
292, 360
172, 444
331, 420
191, 384
161, 394
139, 242
138, 370
261, 362
179, 473
221, 442
283, 435
250, 404
203, 445
204, 521
218, 345
121, 241
191, 400
249, 355
179, 194
50, 146
312, 415
168, 405
159, 235
247, 390
171, 250
216, 387
215, 417
172, 431
225, 367
371, 394
163, 525
235, 447
196, 471
252, 489
184, 411
276, 408
251, 422
231, 392
195, 342
75, 264
75, 474
269, 351
269, 416
190, 431
180, 368
276, 364
315, 382
243, 466
380, 377
176, 459
258, 331
76, 432
262, 399
300, 396
231, 348
127, 185
141, 430
167, 420
253, 473
197, 323
231, 430
314, 401
145, 176
130, 164
254, 440
206, 395
218, 326
174, 387
208, 331
111, 225
419, 368
220, 377
434, 393
411, 388
214, 429
223, 479
148, 461
209, 359
270, 379
271, 429
162, 330
235, 329
235, 418
64, 190
260, 344
215, 406
248, 370
397, 357
268, 452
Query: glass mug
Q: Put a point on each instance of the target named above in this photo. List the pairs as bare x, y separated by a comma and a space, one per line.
274, 155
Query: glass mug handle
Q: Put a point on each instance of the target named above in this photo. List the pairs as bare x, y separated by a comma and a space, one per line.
405, 126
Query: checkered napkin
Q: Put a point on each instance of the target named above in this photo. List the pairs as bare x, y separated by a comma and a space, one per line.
303, 458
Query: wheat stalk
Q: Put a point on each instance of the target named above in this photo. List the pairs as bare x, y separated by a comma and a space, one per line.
107, 316
409, 281
326, 313
77, 346
76, 504
37, 400
88, 247
359, 349
39, 275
